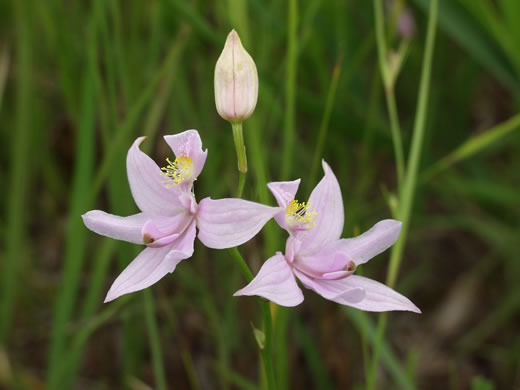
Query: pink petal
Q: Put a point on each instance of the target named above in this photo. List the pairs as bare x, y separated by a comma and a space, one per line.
146, 182
378, 296
113, 226
337, 254
328, 259
160, 231
189, 144
337, 275
326, 200
152, 264
284, 192
226, 223
292, 246
334, 290
275, 281
374, 241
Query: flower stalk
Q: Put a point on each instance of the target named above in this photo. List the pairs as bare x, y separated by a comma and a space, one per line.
389, 76
240, 147
267, 354
407, 192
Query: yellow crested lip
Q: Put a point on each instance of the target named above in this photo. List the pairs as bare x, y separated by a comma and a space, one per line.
299, 216
178, 171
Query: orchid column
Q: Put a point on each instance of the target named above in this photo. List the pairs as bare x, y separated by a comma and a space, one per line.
236, 93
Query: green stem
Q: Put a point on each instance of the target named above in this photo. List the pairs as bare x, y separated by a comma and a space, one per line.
324, 127
155, 340
290, 89
241, 183
267, 354
380, 39
75, 243
409, 185
15, 244
241, 263
388, 81
380, 335
238, 137
396, 135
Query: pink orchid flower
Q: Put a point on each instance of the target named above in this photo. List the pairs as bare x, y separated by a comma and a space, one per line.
319, 258
170, 214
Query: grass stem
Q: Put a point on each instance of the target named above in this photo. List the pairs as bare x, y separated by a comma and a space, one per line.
388, 82
410, 180
19, 175
238, 138
324, 126
290, 90
155, 340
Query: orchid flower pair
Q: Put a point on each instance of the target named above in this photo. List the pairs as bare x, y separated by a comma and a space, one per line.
315, 254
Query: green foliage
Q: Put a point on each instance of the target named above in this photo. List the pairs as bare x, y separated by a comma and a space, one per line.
480, 383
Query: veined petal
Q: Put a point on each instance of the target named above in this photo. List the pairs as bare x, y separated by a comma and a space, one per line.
152, 264
160, 231
378, 296
284, 192
189, 144
275, 281
371, 243
114, 226
226, 223
326, 200
326, 260
334, 290
147, 184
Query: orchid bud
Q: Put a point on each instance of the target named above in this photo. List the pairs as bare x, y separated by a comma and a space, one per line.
406, 24
236, 81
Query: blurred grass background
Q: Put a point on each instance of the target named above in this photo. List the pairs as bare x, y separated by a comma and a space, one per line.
79, 81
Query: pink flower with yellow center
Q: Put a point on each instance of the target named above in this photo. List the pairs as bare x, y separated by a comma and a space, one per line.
317, 256
170, 215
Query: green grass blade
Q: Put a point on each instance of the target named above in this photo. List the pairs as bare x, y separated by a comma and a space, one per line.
76, 233
391, 362
81, 337
474, 145
324, 126
410, 181
464, 30
312, 356
15, 245
125, 129
510, 12
155, 341
389, 84
480, 383
194, 19
487, 16
290, 90
409, 185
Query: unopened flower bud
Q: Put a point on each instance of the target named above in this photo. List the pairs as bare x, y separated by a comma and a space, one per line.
406, 24
236, 81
